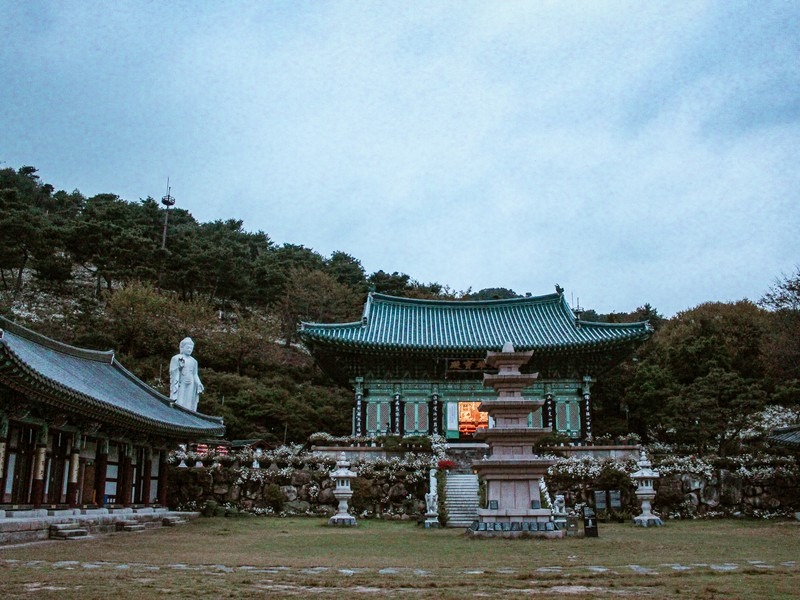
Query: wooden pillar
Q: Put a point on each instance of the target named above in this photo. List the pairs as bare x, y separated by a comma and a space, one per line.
74, 469
397, 426
549, 410
358, 417
146, 477
101, 466
586, 412
125, 486
39, 466
3, 446
433, 418
163, 478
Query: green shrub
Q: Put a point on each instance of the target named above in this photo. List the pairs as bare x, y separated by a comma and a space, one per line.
274, 497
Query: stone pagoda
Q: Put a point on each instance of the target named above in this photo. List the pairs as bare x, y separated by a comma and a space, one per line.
512, 471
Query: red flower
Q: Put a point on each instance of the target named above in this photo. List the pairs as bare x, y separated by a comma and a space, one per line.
446, 464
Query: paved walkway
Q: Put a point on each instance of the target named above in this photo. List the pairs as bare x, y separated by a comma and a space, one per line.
217, 569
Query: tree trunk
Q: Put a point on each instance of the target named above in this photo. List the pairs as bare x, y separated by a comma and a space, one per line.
18, 286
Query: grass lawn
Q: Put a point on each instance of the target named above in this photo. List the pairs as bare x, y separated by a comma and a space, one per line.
278, 558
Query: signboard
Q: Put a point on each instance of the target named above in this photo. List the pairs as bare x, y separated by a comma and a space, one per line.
615, 499
600, 499
589, 522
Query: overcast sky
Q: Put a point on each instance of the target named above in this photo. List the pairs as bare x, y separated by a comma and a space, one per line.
630, 151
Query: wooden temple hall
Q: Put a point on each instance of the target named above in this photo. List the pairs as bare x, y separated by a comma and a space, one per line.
416, 366
79, 430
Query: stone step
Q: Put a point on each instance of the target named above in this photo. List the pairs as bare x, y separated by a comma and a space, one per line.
172, 521
67, 531
461, 491
130, 526
65, 526
68, 534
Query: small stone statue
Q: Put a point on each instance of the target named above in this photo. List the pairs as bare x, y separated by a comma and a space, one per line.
432, 502
184, 380
560, 506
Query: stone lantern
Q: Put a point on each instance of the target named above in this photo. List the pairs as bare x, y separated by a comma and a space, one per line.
343, 492
645, 477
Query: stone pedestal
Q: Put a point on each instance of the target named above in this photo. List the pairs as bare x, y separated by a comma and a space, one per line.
512, 471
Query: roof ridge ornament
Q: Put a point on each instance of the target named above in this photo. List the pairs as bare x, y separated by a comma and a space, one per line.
559, 290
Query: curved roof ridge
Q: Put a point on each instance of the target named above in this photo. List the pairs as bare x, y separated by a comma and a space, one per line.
304, 324
615, 325
104, 356
461, 303
534, 322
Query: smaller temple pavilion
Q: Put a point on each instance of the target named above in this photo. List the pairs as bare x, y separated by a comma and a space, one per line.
78, 429
416, 366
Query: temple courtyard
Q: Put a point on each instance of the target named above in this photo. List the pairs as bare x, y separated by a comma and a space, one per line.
279, 558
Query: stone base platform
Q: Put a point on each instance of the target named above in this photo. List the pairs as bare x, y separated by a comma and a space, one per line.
647, 521
24, 526
342, 521
521, 530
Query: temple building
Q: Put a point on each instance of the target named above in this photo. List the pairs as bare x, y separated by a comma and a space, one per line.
78, 429
416, 366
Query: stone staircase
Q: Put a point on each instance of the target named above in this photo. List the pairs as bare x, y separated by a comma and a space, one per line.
67, 531
461, 492
172, 521
130, 526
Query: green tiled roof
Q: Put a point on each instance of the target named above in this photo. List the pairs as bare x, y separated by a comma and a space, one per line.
93, 385
542, 323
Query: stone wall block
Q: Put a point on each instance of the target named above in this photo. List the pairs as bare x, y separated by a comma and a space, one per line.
290, 492
730, 488
301, 478
326, 496
297, 507
753, 490
692, 483
711, 495
398, 492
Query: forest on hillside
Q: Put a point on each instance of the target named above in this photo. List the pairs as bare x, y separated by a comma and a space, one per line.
99, 272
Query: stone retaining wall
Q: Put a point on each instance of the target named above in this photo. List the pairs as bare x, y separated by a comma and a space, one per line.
727, 493
306, 491
398, 493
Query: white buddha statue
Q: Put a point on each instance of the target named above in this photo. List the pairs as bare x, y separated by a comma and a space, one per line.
184, 381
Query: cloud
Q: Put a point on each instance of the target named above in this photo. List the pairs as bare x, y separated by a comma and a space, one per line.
630, 152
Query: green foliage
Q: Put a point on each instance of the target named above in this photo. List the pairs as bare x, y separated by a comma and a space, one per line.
347, 270
394, 284
365, 496
144, 321
712, 410
549, 441
441, 496
317, 297
499, 293
700, 377
237, 294
274, 497
612, 478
